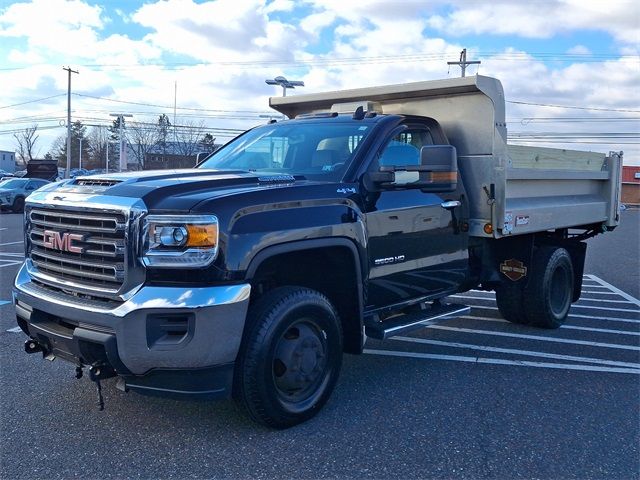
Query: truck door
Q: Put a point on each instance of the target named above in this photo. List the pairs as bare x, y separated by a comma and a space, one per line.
416, 247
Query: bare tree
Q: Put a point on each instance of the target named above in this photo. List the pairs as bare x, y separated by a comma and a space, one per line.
26, 141
142, 138
58, 150
98, 140
188, 135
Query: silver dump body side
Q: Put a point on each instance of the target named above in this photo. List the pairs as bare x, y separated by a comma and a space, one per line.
515, 189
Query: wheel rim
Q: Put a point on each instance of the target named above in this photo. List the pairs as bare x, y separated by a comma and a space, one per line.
560, 291
300, 362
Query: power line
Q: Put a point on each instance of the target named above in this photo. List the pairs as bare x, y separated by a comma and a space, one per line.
167, 106
573, 107
319, 61
33, 101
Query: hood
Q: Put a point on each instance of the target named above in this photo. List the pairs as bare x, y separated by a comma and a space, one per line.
176, 190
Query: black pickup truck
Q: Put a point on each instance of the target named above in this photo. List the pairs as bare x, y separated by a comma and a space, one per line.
251, 274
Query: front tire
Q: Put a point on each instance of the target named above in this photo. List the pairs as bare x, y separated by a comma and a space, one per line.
18, 205
547, 297
290, 357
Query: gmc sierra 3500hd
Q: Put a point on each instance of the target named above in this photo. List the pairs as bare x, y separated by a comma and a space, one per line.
251, 274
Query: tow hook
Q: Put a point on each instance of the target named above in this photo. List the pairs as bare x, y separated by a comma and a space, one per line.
96, 373
31, 346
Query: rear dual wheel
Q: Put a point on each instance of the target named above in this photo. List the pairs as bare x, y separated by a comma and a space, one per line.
546, 299
290, 357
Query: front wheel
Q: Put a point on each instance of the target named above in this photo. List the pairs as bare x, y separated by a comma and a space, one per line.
18, 205
290, 357
547, 297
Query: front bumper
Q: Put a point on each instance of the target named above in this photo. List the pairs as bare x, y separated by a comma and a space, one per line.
163, 340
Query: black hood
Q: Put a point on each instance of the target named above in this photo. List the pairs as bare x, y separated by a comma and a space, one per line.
175, 189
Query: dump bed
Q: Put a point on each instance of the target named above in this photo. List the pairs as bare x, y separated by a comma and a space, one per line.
515, 189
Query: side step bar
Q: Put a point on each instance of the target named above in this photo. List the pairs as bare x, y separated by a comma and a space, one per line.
413, 321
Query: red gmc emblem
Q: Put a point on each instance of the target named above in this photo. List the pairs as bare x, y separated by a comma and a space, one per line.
62, 241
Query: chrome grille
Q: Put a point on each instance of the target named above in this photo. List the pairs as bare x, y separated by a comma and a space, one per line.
98, 265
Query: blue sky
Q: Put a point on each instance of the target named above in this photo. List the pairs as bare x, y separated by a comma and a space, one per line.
133, 55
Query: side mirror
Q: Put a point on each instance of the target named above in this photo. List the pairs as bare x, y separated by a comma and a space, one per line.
437, 172
441, 162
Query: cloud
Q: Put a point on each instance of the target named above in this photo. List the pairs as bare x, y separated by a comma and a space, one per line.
620, 19
68, 29
236, 44
579, 50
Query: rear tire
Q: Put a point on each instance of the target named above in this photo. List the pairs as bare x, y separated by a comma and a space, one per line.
547, 297
510, 300
290, 357
18, 205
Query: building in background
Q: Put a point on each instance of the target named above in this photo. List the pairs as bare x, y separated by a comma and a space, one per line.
631, 185
8, 161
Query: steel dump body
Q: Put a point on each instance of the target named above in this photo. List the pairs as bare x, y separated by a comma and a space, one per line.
515, 189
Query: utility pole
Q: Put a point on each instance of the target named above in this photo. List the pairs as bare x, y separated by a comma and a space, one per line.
69, 71
462, 63
175, 101
107, 162
120, 135
80, 156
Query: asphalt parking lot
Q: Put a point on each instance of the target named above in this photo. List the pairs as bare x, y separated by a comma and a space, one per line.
473, 397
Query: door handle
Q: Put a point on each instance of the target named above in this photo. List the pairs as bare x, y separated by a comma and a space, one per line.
451, 204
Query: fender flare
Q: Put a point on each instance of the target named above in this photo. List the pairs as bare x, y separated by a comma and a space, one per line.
300, 245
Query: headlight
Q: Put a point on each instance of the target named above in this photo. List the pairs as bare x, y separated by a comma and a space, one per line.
187, 241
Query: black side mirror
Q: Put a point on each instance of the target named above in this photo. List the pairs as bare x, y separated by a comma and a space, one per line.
439, 172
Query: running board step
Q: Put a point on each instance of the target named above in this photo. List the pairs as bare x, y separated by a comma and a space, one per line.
413, 321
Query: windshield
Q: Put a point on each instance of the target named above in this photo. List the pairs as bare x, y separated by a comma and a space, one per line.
13, 183
320, 151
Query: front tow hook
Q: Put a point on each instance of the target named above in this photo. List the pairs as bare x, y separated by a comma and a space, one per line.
31, 346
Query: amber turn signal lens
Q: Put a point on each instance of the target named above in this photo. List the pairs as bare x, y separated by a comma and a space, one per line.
488, 228
202, 235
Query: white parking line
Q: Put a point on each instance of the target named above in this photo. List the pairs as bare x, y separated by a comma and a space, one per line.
7, 263
615, 289
594, 292
535, 337
14, 330
11, 254
575, 305
497, 361
608, 319
602, 300
514, 351
486, 307
10, 243
564, 327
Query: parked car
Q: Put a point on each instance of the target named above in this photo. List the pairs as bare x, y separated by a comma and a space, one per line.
5, 174
13, 191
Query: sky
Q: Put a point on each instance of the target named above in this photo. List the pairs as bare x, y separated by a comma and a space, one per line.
570, 68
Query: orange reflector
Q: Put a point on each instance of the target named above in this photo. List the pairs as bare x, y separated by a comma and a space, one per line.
444, 177
488, 228
202, 235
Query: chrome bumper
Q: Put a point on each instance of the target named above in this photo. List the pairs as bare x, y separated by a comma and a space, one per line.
212, 318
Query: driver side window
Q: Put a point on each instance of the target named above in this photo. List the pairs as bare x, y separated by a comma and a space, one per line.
404, 149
